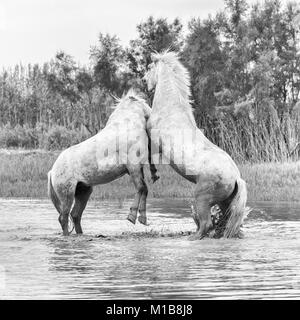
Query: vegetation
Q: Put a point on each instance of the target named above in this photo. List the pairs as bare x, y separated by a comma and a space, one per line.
245, 76
245, 79
24, 174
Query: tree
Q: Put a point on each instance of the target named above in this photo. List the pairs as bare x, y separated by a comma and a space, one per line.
153, 35
234, 30
237, 10
94, 103
108, 63
62, 77
206, 63
276, 30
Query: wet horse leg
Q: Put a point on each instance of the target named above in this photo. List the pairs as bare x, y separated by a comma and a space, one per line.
204, 200
142, 207
208, 194
82, 196
62, 196
153, 170
65, 207
139, 183
202, 217
195, 217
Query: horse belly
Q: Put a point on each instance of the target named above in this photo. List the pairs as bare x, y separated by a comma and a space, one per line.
105, 174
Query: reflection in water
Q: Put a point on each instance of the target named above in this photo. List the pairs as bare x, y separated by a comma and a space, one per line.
154, 262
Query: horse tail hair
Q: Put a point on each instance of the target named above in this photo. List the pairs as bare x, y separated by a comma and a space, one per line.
236, 210
52, 194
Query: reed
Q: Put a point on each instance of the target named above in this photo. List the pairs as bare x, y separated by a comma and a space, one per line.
264, 138
24, 174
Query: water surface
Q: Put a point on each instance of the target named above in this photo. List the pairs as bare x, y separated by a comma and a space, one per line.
139, 262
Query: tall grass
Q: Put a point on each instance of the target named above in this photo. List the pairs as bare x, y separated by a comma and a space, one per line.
258, 139
264, 137
49, 138
25, 175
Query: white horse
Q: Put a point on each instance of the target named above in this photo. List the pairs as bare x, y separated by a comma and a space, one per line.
175, 135
120, 148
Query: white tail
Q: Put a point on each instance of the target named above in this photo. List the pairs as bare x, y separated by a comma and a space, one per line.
52, 194
237, 211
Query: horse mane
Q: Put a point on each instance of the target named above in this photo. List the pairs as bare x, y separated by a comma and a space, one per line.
180, 78
130, 95
133, 97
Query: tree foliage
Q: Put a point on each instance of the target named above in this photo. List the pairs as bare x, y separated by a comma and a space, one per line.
244, 65
154, 35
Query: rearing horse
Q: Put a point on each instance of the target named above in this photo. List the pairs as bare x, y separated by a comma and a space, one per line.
120, 148
174, 133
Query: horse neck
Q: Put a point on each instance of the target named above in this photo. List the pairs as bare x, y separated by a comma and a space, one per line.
169, 101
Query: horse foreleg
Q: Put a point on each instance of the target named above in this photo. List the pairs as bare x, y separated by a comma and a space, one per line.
153, 169
143, 189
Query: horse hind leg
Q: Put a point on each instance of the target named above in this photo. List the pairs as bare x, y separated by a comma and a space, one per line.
142, 207
137, 176
66, 202
202, 216
143, 190
62, 197
82, 195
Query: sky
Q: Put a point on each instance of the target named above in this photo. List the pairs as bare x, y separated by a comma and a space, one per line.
32, 31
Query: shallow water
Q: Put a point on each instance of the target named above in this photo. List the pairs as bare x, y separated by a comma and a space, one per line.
138, 262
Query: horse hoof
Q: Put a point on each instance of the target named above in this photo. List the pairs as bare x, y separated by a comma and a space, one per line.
240, 235
142, 220
192, 237
155, 178
212, 233
131, 218
79, 234
195, 236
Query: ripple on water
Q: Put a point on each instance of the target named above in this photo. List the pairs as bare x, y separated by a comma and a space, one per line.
115, 259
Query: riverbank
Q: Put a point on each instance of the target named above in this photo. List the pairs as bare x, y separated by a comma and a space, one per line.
24, 174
